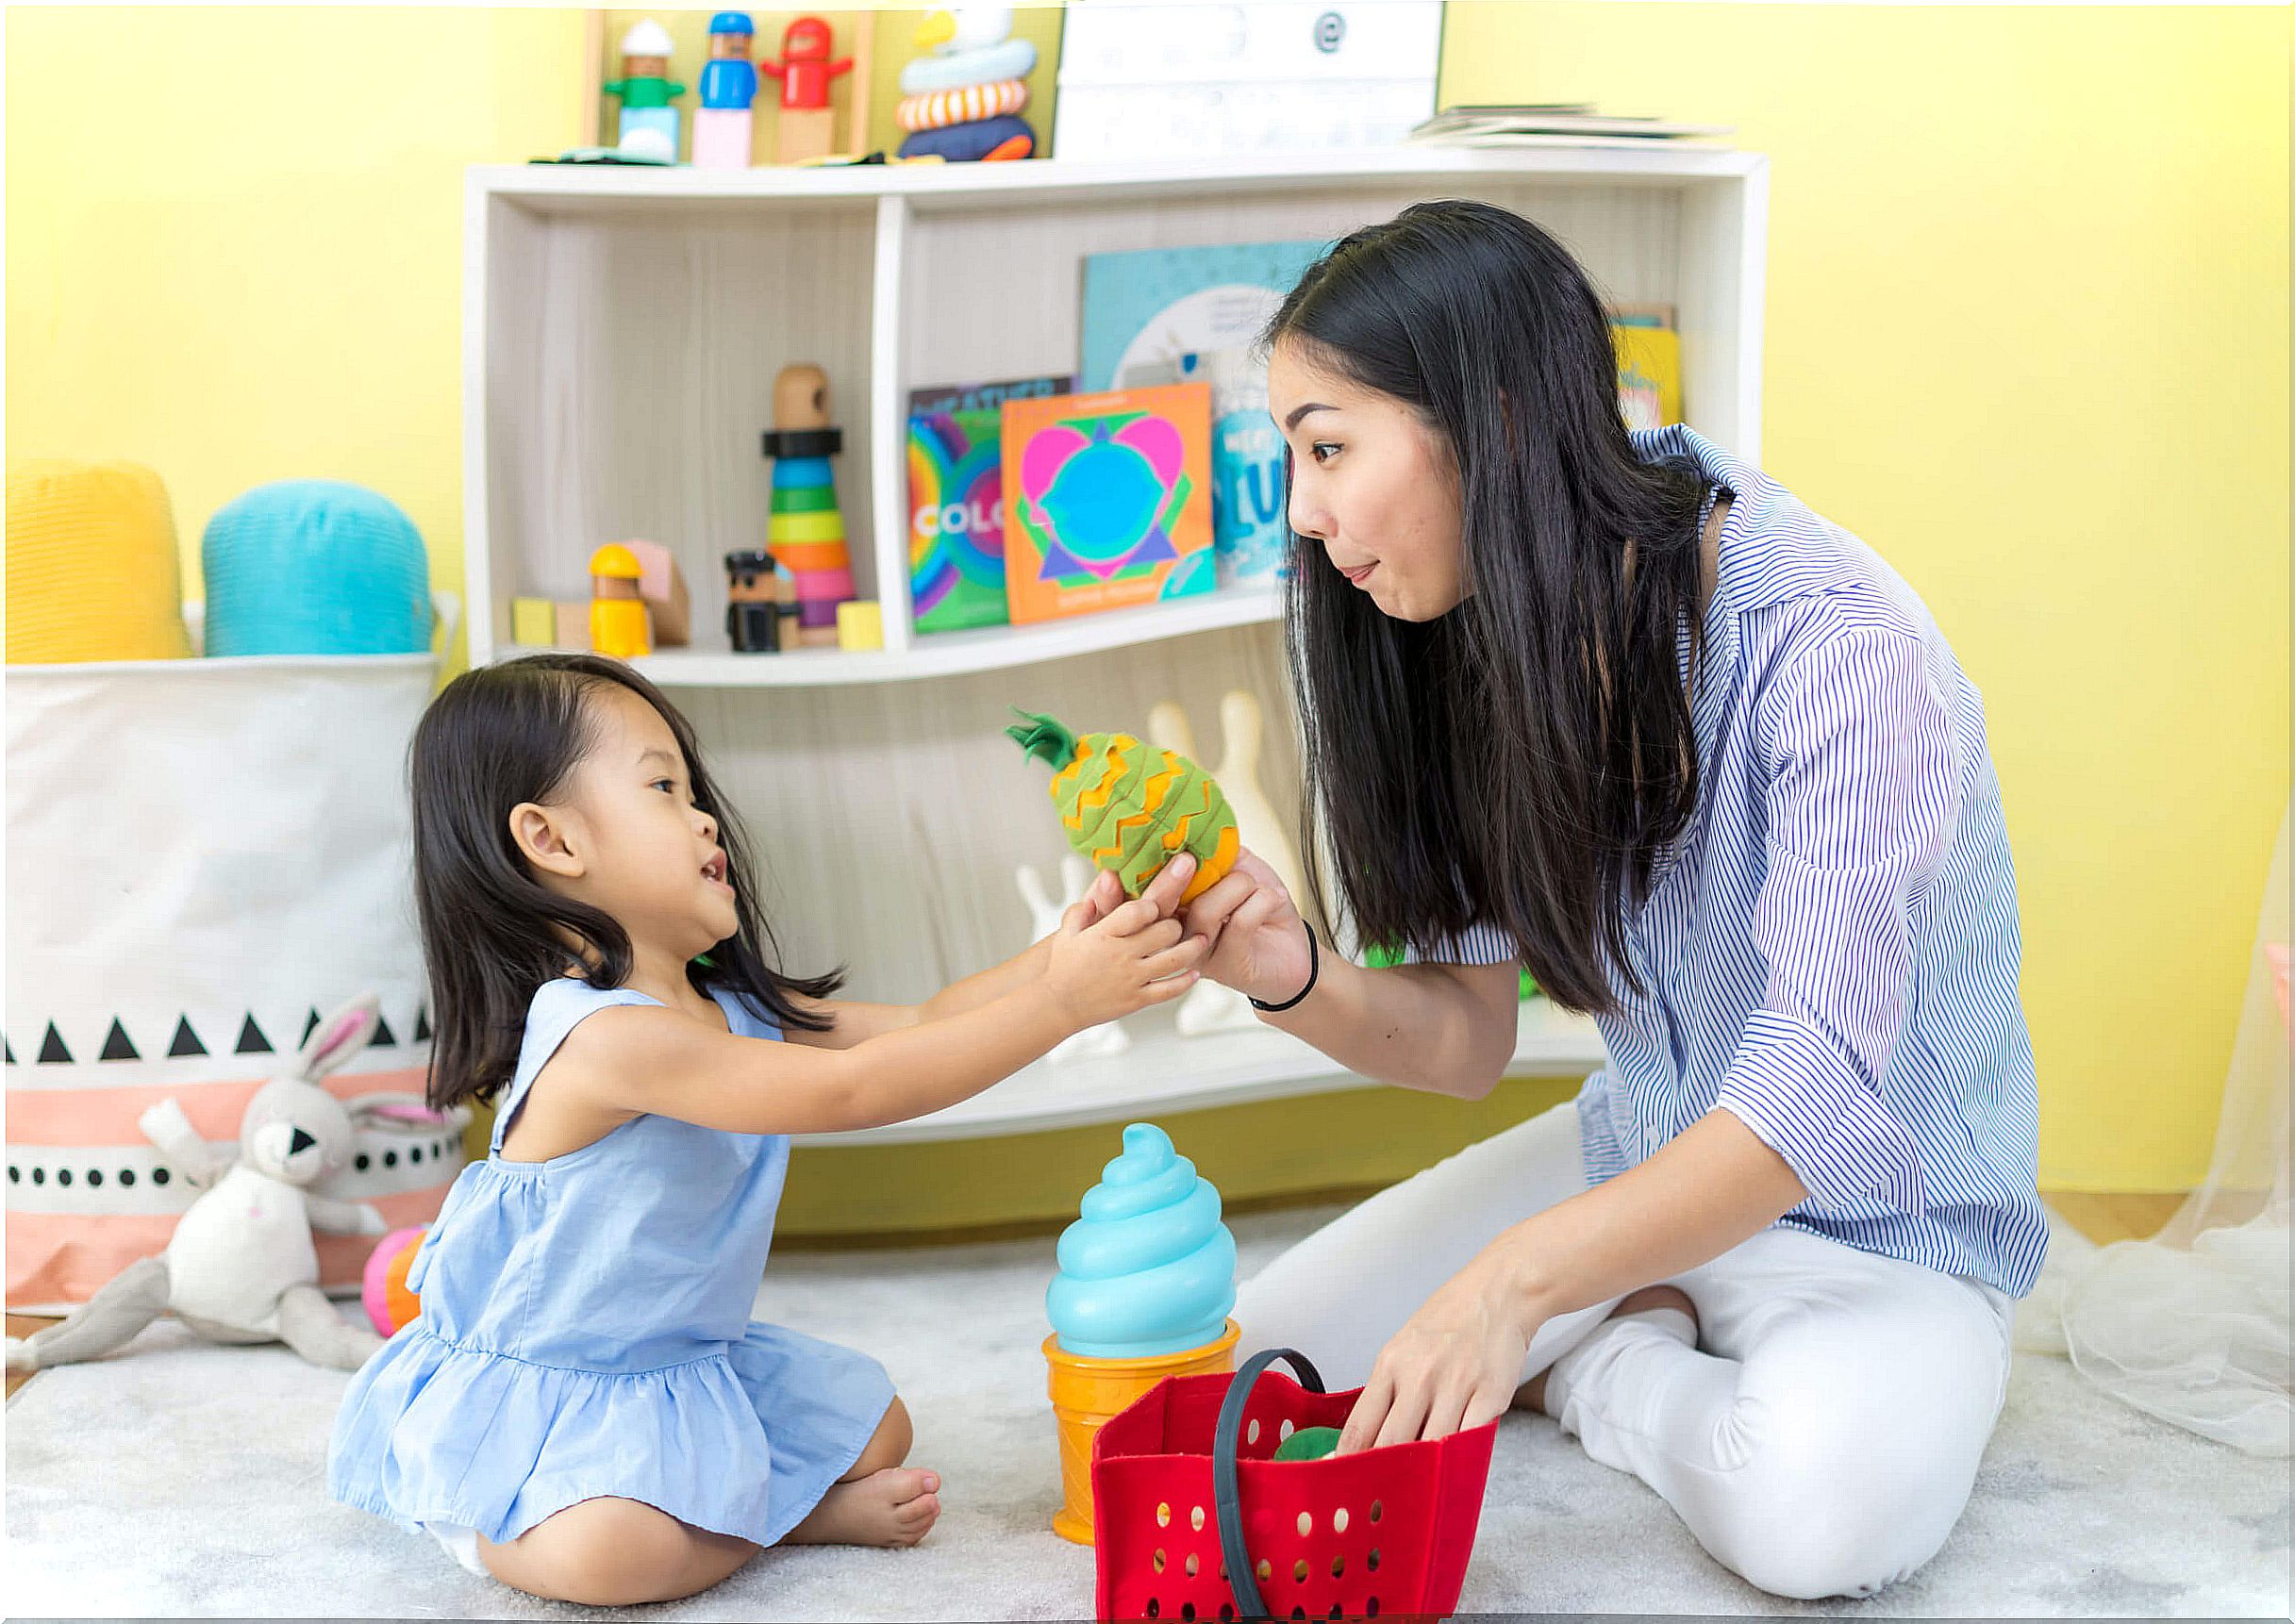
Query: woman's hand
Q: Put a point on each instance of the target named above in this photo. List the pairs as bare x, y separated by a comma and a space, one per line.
1258, 942
1453, 1364
1107, 962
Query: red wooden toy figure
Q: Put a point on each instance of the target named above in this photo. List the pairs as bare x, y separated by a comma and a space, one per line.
805, 70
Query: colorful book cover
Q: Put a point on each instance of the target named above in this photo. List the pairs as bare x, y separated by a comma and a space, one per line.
1250, 525
1109, 500
1648, 375
955, 500
1159, 303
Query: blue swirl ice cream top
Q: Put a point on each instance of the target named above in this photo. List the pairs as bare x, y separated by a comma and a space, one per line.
1147, 1269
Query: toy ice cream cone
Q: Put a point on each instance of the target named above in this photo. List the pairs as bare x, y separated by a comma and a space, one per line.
1146, 1278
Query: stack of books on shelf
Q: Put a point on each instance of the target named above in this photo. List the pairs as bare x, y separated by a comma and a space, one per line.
1549, 123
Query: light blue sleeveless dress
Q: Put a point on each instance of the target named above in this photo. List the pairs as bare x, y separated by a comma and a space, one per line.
585, 1332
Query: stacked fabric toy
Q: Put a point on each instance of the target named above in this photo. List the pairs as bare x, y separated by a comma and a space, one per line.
962, 102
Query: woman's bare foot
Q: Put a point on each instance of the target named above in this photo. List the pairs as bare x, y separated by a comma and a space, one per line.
1531, 1395
896, 1506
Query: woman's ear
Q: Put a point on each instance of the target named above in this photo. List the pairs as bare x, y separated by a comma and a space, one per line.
544, 837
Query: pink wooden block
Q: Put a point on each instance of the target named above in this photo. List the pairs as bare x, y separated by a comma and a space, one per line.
720, 137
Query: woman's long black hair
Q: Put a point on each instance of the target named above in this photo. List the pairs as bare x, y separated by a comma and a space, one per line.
1522, 760
493, 933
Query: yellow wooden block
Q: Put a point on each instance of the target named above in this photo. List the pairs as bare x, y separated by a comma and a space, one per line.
861, 624
533, 622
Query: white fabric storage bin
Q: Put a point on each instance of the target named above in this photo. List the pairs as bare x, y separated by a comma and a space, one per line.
202, 856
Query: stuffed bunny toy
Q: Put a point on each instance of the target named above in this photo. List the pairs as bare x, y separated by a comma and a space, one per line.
241, 1266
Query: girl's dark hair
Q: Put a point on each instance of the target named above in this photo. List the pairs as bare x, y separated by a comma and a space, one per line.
492, 933
1520, 761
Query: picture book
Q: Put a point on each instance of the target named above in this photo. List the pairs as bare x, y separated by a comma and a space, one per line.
1159, 304
1109, 500
1250, 524
1648, 375
955, 500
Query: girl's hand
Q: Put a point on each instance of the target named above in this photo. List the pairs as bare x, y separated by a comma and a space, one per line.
1258, 942
1454, 1364
1107, 964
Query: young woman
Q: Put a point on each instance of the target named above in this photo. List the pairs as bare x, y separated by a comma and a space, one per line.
1617, 706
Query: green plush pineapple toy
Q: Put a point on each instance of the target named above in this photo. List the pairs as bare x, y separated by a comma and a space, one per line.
1130, 808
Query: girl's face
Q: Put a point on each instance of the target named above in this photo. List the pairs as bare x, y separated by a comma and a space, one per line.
1373, 482
625, 837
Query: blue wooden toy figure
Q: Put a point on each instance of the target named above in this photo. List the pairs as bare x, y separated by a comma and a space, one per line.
728, 85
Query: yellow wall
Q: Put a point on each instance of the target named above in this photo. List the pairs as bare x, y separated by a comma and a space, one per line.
235, 239
2027, 333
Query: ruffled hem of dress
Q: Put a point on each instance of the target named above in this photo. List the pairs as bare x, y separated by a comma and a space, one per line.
510, 1442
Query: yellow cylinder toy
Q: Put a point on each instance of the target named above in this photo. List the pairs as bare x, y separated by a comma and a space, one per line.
91, 564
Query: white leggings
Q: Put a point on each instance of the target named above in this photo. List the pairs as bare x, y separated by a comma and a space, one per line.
1821, 1437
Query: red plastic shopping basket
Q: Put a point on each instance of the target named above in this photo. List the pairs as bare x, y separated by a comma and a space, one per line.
1194, 1522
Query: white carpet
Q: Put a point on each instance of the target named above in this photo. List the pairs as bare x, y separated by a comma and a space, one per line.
179, 1479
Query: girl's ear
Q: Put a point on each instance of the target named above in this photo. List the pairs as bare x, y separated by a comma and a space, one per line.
544, 836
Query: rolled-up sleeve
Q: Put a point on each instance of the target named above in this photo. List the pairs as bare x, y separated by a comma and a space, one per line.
1861, 803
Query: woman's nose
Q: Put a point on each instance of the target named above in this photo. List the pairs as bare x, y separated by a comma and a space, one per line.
1308, 519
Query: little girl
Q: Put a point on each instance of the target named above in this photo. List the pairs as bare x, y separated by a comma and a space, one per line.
584, 1408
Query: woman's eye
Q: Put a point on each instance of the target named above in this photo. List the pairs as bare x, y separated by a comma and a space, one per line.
1319, 450
666, 784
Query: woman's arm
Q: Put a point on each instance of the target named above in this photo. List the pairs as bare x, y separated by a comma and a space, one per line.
1443, 1028
1456, 1362
855, 1023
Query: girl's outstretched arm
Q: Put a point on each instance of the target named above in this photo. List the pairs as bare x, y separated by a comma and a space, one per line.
656, 1061
855, 1022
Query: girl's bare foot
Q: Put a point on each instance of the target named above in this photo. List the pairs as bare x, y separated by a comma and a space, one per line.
896, 1506
1531, 1395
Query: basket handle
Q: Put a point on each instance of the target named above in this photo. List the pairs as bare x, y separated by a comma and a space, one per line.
1225, 1484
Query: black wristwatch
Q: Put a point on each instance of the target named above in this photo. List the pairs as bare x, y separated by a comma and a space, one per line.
1314, 968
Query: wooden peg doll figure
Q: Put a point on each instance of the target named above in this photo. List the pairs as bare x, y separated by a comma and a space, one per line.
722, 123
619, 626
649, 121
805, 70
753, 606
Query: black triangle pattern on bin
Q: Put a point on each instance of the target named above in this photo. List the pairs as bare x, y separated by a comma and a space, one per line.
421, 1024
251, 1039
9, 1048
383, 1038
52, 1050
185, 1041
309, 1026
116, 1044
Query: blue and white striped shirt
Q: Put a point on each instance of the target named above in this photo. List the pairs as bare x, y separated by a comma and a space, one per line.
1831, 947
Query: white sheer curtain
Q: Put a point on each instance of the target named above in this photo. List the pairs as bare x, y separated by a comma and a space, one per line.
2192, 1326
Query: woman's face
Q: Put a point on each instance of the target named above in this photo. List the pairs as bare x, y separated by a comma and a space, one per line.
1373, 482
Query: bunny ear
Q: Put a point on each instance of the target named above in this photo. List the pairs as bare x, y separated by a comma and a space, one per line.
406, 1109
339, 1036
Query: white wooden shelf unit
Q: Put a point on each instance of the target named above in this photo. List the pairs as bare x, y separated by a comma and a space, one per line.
622, 328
